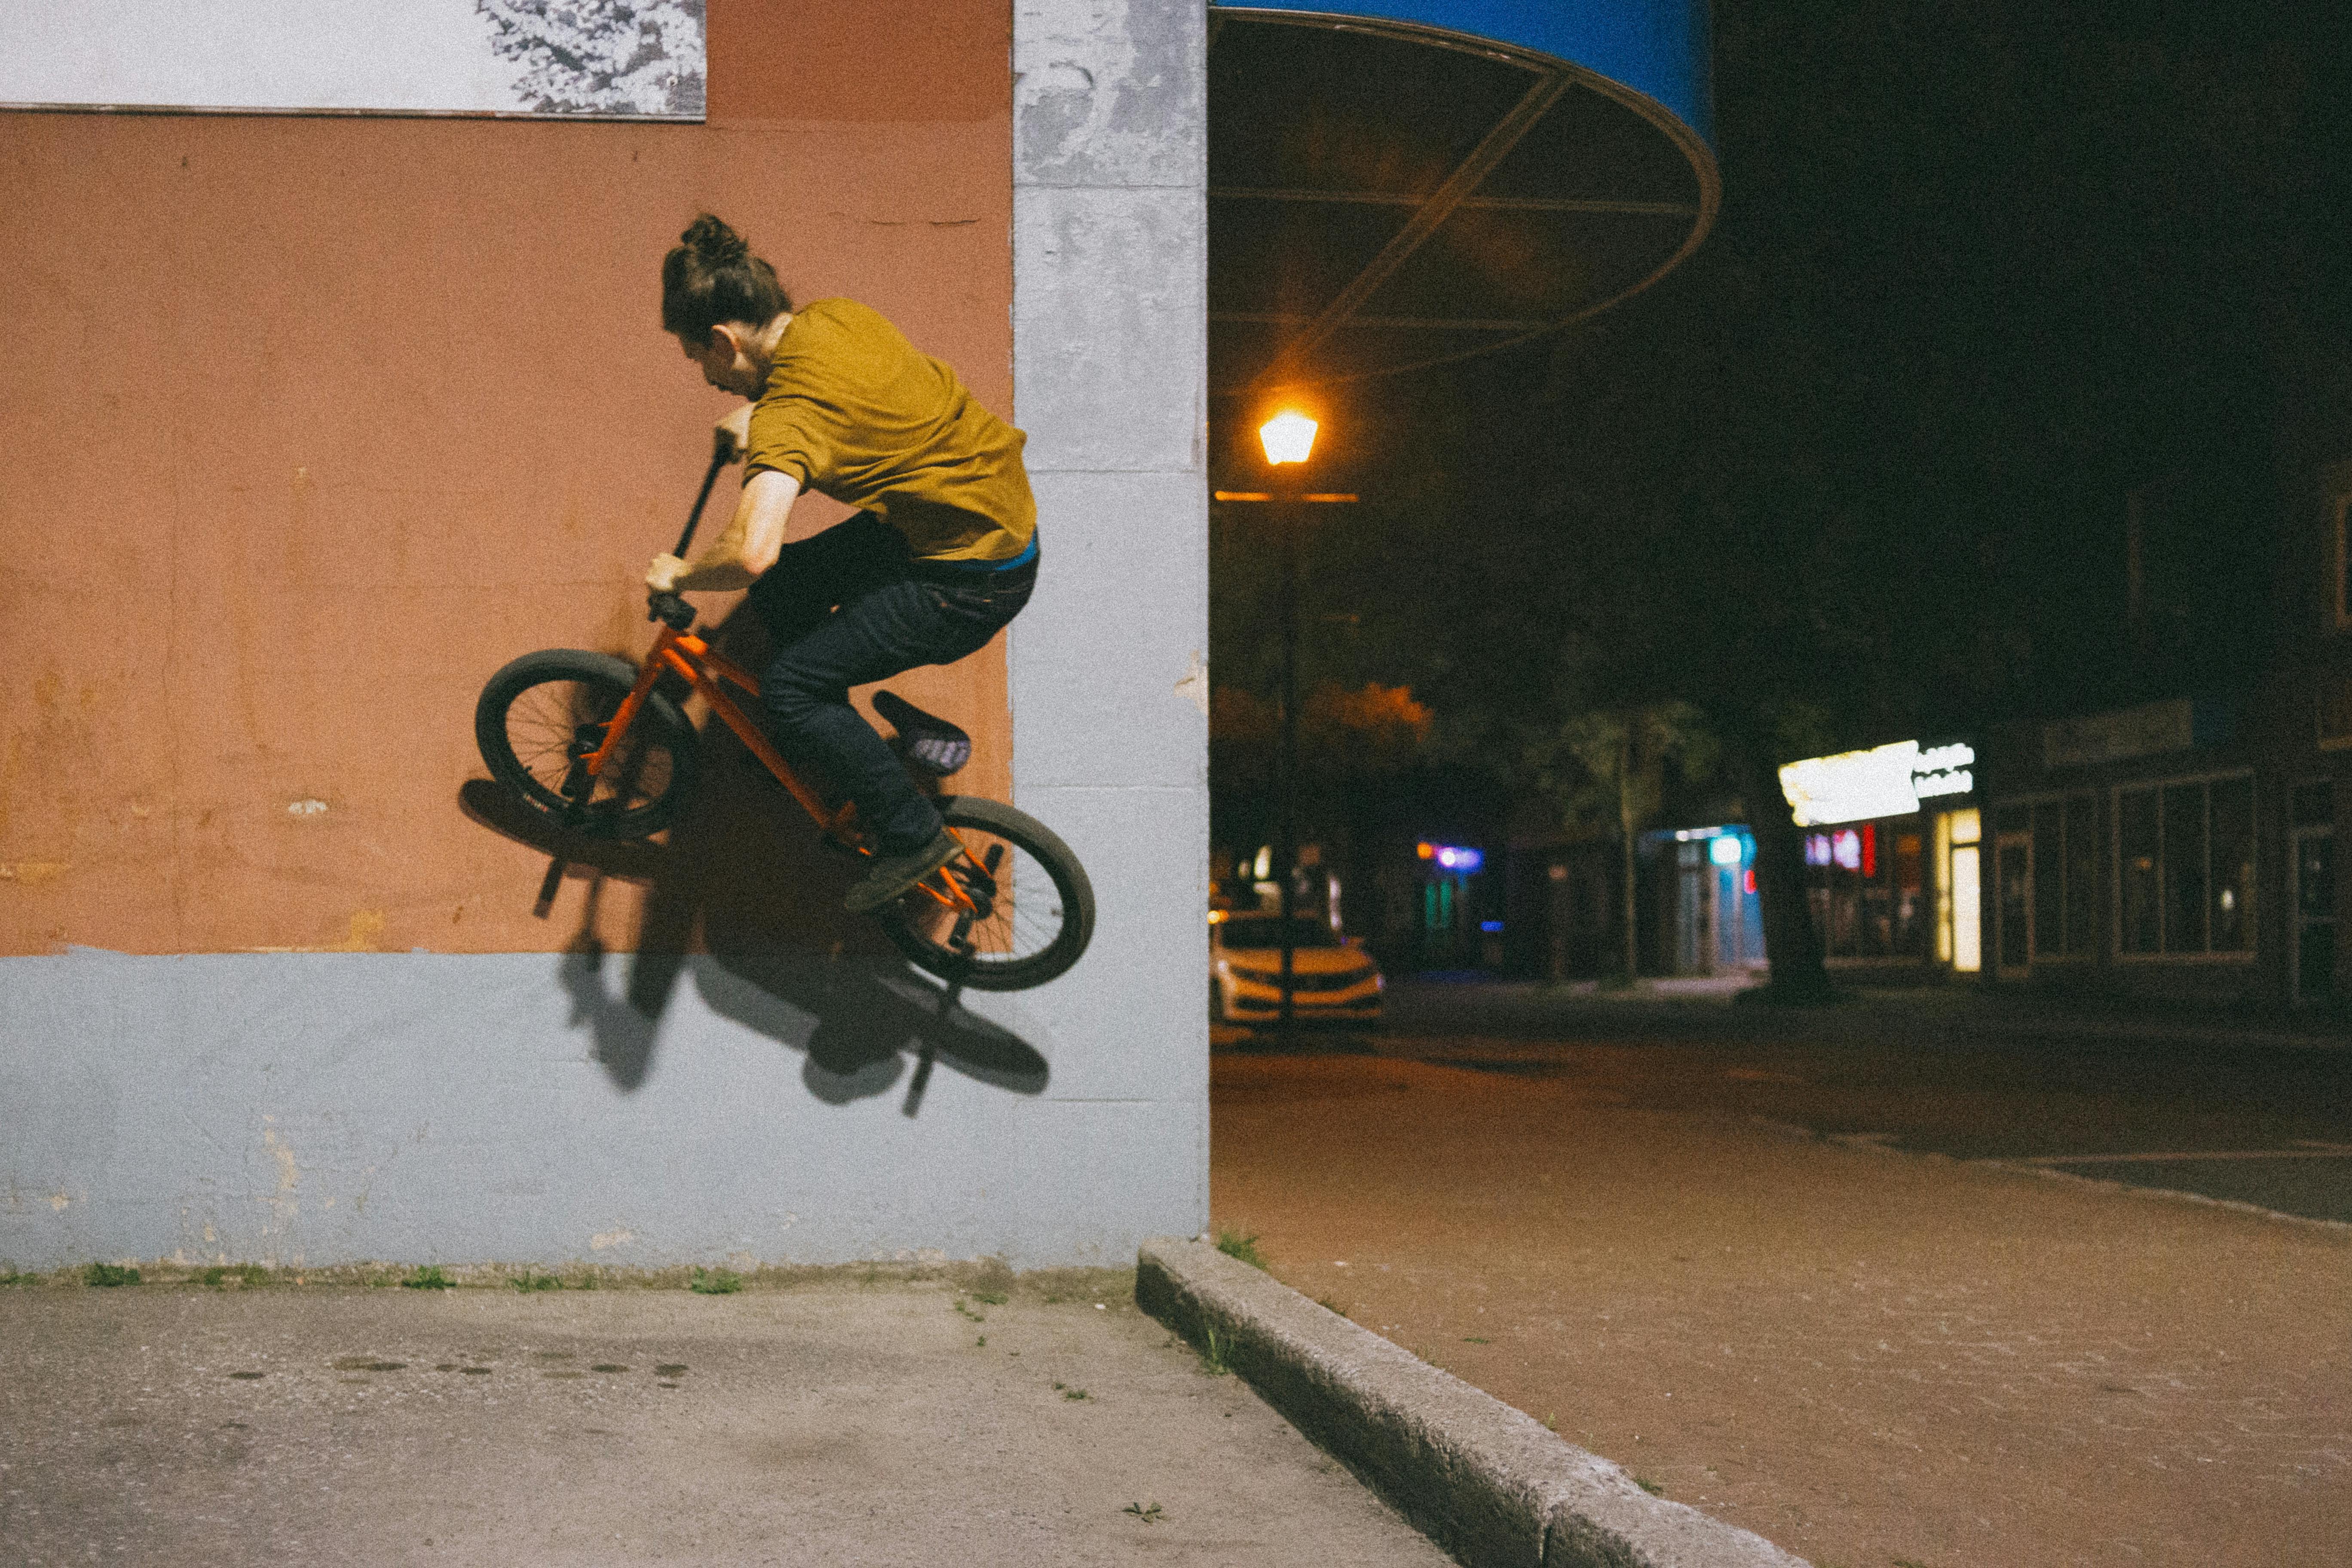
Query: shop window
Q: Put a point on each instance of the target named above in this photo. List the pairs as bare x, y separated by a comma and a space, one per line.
2065, 862
2339, 515
2335, 712
2230, 905
2082, 871
2049, 924
2185, 870
1866, 885
2138, 929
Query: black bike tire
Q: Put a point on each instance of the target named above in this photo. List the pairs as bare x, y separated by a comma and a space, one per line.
596, 669
1069, 878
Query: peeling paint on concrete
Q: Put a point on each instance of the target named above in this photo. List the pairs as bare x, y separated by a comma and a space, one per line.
365, 935
1194, 685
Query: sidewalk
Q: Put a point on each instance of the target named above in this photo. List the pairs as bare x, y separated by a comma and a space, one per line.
1862, 1355
828, 1422
1725, 1006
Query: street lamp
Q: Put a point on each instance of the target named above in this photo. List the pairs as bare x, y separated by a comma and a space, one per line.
1289, 438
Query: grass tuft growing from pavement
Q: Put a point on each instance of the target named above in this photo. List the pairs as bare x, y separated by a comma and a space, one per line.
428, 1278
1233, 1244
1649, 1486
716, 1282
527, 1282
1213, 1353
108, 1276
220, 1275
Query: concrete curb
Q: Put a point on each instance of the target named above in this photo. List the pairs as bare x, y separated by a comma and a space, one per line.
1489, 1484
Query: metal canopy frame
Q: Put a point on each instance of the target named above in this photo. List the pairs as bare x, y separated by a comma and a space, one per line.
1554, 77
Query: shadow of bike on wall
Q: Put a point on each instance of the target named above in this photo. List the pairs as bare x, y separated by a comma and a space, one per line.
745, 898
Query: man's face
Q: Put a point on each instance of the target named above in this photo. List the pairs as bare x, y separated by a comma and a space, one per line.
723, 362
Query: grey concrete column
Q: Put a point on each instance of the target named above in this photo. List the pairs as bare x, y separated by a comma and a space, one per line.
1109, 695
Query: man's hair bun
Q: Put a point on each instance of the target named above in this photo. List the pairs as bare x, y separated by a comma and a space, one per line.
711, 276
710, 238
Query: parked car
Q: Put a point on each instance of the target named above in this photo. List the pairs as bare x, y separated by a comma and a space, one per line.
1331, 977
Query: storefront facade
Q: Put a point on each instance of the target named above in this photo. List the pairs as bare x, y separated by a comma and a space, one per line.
2179, 848
1708, 916
1893, 856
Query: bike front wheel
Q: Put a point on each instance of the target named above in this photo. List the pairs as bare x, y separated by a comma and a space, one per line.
541, 718
1033, 909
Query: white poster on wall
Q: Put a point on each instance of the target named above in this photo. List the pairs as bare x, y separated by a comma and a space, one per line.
633, 59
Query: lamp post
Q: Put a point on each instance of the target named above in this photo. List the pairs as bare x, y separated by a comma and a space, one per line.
1289, 438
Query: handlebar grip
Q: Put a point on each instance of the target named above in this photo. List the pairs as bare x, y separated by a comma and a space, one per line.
670, 609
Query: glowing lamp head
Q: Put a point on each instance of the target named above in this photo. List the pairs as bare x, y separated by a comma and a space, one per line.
1289, 438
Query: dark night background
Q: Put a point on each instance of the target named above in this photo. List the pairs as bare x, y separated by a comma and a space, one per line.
1991, 279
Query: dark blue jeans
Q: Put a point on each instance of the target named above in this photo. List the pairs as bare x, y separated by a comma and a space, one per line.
851, 607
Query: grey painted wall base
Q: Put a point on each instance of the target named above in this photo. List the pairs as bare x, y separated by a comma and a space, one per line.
317, 1108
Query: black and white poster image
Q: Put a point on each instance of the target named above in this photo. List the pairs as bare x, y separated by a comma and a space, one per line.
603, 59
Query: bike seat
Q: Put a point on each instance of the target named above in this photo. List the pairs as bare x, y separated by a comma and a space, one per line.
930, 744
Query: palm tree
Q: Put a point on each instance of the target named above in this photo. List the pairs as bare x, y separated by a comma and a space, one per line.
1609, 764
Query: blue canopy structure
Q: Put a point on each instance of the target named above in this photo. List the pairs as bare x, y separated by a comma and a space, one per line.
1399, 184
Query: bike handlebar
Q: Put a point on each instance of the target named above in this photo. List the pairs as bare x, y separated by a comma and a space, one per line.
669, 607
722, 454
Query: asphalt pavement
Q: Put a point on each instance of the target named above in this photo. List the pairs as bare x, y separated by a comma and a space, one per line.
2236, 1110
1868, 1288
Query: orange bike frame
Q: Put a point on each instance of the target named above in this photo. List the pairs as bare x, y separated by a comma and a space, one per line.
682, 653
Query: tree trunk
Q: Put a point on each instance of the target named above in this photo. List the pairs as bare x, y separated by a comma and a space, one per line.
1626, 843
1792, 945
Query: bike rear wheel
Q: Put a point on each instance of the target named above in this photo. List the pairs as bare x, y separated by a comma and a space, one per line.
539, 719
1035, 910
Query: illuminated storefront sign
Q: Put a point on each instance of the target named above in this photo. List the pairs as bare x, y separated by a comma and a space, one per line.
1886, 781
1450, 858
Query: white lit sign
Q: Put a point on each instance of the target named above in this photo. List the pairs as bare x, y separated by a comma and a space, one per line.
1943, 770
1887, 781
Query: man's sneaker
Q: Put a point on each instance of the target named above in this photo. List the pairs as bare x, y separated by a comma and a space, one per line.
893, 874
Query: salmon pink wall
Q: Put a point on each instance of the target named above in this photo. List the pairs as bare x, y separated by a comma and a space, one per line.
314, 422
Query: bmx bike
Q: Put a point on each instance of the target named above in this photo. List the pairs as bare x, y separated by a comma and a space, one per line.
593, 745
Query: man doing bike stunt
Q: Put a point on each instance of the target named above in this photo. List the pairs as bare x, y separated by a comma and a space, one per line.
942, 553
